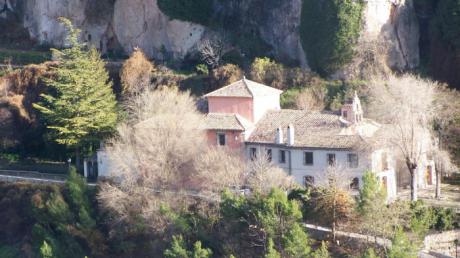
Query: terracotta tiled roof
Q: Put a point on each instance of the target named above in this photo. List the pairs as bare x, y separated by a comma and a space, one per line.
312, 129
244, 88
223, 121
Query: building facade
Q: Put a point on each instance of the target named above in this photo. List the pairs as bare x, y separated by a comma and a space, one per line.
246, 116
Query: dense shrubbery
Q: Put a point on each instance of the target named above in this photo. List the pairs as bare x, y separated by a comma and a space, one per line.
329, 30
198, 11
20, 57
56, 220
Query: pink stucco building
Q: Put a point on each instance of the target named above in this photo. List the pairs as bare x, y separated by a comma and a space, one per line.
235, 109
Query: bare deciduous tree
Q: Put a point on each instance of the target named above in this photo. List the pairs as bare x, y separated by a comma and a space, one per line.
136, 73
219, 168
332, 199
407, 107
151, 154
444, 166
211, 50
312, 98
161, 161
381, 219
262, 175
370, 60
448, 101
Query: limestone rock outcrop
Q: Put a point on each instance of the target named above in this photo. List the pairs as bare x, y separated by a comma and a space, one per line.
140, 23
121, 25
109, 25
395, 23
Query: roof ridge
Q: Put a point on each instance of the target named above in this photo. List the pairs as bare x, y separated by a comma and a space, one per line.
247, 86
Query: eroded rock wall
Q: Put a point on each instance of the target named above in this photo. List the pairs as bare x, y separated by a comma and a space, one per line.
394, 22
140, 23
109, 25
121, 25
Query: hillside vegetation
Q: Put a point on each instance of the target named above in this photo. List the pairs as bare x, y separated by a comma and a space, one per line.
329, 30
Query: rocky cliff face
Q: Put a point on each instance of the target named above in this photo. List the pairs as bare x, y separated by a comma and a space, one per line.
109, 25
394, 22
115, 25
275, 22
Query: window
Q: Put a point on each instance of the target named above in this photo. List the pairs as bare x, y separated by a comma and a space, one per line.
345, 114
308, 181
221, 139
269, 155
308, 158
354, 184
282, 158
352, 160
252, 153
331, 159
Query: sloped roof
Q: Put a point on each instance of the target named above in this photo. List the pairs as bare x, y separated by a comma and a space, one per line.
223, 121
244, 88
311, 129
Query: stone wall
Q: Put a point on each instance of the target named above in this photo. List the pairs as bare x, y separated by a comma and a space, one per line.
443, 243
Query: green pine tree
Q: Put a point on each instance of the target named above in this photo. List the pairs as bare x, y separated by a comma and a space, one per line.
271, 251
79, 200
46, 251
370, 253
321, 252
296, 242
80, 106
401, 246
371, 193
200, 252
178, 248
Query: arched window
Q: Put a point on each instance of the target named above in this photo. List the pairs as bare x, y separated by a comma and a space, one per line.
354, 184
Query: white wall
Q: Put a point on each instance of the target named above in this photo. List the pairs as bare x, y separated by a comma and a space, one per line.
299, 170
264, 103
391, 182
103, 164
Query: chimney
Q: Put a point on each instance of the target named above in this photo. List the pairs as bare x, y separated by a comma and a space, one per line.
290, 135
279, 136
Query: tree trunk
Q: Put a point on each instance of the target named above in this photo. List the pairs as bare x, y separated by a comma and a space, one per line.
438, 183
333, 218
413, 185
413, 179
438, 170
77, 158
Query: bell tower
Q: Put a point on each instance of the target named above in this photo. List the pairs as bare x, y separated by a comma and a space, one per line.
352, 110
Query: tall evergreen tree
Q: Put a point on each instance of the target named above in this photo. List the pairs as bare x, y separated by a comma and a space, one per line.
80, 106
371, 193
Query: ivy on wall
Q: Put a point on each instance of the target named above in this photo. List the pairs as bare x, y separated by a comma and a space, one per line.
329, 31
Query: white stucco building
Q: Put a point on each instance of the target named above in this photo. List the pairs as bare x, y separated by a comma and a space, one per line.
305, 144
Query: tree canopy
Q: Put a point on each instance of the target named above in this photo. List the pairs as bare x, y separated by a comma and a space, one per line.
329, 30
80, 106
